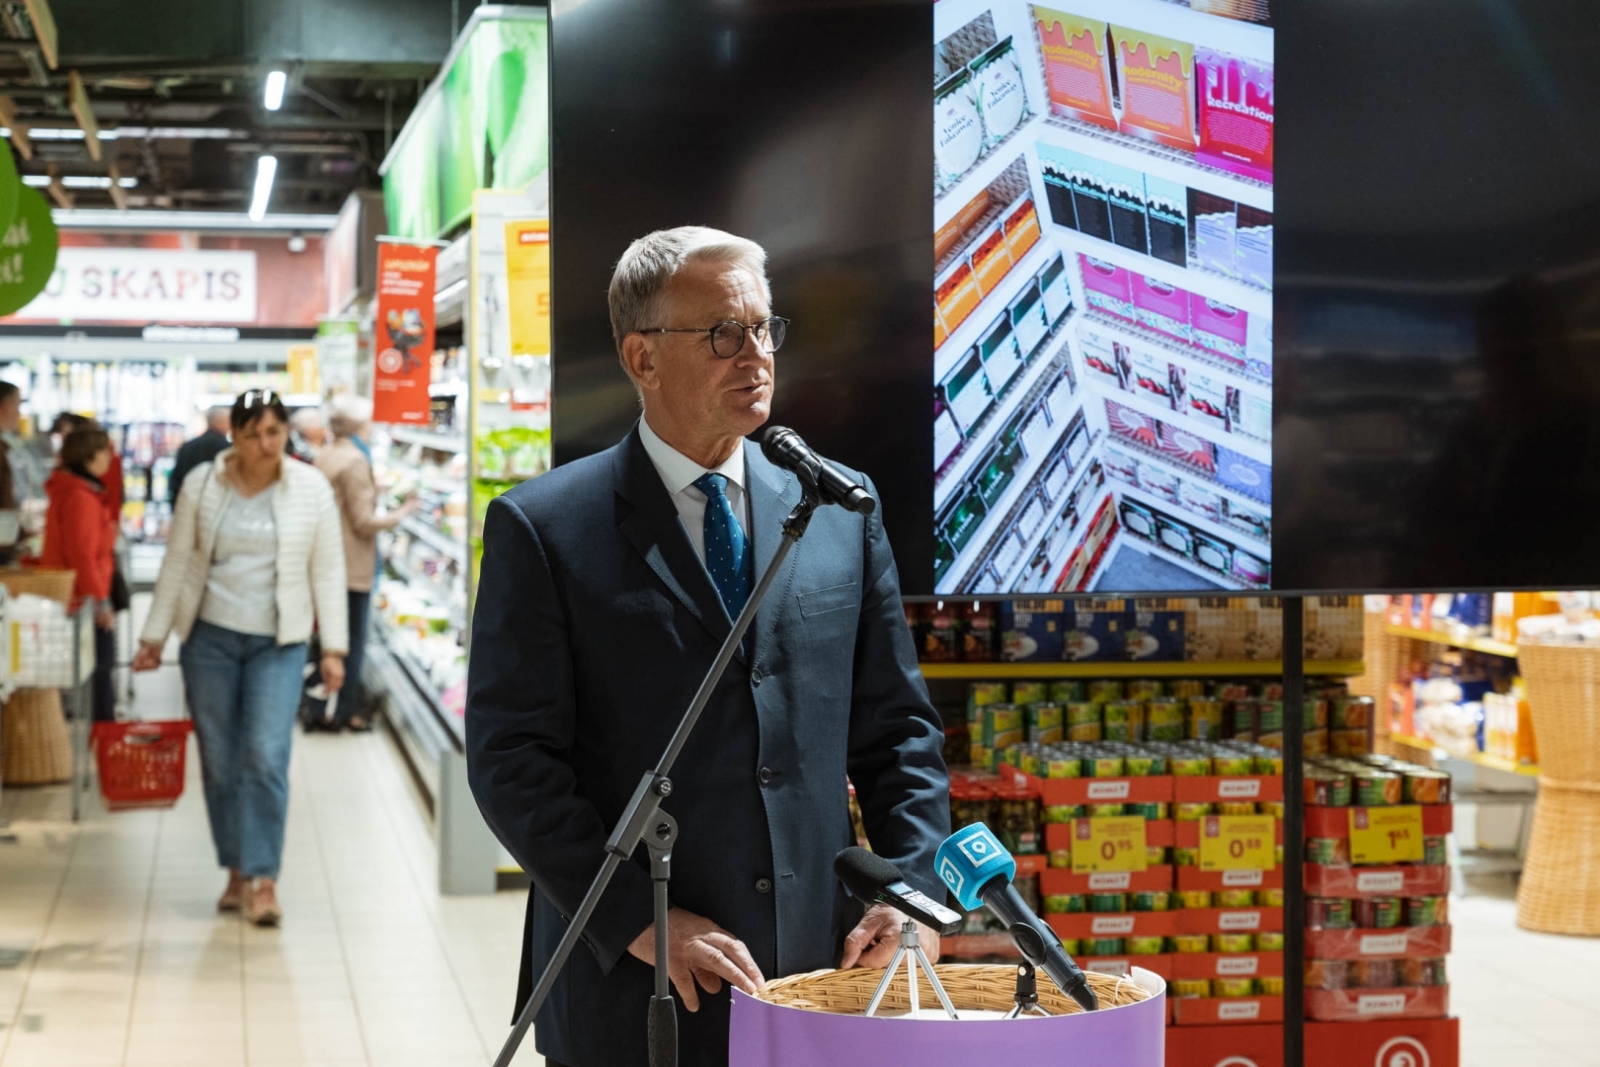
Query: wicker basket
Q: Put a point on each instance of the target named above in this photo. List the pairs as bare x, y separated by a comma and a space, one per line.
50, 584
971, 987
35, 748
1560, 890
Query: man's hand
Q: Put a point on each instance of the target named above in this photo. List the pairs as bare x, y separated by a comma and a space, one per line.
877, 935
700, 951
148, 658
333, 671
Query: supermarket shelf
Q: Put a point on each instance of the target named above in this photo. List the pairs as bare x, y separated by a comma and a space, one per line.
1033, 546
1482, 759
966, 335
1100, 320
1210, 574
1051, 355
437, 441
446, 545
1120, 669
1145, 404
1183, 469
1199, 522
1255, 300
981, 173
1476, 644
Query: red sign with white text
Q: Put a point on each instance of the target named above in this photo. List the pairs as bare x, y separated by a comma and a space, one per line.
404, 343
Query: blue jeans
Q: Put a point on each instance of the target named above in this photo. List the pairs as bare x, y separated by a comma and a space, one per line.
244, 690
351, 697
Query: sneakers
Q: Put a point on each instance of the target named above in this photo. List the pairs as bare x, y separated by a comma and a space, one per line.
232, 898
263, 909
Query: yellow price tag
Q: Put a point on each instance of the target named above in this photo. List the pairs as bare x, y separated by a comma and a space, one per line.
1386, 835
1108, 843
1238, 843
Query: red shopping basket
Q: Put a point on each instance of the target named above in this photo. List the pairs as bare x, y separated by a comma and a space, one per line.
141, 763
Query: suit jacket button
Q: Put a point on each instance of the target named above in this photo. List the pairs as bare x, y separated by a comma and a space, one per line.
755, 676
765, 775
763, 885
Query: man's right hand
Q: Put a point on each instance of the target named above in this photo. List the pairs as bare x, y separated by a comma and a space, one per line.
148, 658
700, 951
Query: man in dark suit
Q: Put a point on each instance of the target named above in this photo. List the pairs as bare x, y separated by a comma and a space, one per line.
607, 587
198, 450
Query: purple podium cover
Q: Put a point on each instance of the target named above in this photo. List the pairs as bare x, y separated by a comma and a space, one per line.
769, 1035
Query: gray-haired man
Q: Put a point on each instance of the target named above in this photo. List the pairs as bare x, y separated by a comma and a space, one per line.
607, 587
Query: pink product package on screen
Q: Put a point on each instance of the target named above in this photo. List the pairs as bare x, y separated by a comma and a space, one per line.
1187, 448
1236, 112
1219, 328
1161, 307
1157, 77
1133, 425
1107, 287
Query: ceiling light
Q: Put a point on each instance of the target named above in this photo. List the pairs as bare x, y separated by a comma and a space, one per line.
38, 181
53, 133
266, 170
277, 80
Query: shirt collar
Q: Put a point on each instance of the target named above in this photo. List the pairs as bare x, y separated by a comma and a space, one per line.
677, 470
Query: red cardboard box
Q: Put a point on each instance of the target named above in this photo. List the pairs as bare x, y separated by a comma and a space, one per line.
1360, 1005
1417, 881
1437, 820
1411, 942
1228, 920
1187, 834
1229, 1046
1031, 864
1158, 833
1222, 965
1056, 881
1211, 1011
1054, 791
1193, 878
1400, 1043
1115, 924
1218, 790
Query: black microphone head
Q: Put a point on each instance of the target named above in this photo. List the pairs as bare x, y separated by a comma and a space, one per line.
773, 439
864, 874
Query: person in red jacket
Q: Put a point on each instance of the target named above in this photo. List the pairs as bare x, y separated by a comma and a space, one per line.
80, 535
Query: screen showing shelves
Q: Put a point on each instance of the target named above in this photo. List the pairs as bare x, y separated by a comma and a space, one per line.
1102, 297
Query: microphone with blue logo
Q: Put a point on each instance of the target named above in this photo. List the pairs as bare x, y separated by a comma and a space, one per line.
978, 870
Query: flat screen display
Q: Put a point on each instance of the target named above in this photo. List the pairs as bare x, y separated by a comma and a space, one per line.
1102, 358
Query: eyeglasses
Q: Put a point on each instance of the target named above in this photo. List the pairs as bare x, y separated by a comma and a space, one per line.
257, 398
727, 338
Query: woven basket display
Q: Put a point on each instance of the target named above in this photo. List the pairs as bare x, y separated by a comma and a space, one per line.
1560, 889
971, 987
35, 747
50, 584
1384, 655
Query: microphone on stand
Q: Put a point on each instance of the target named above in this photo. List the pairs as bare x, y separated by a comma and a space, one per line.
978, 870
872, 879
784, 447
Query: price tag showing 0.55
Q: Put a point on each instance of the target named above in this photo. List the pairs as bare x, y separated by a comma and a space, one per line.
1108, 843
1238, 843
1386, 835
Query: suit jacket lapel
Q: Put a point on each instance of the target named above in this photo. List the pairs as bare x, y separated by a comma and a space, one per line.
773, 494
647, 518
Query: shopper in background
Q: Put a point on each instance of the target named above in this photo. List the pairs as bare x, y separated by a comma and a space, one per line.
307, 435
347, 463
27, 475
198, 450
253, 560
79, 535
10, 421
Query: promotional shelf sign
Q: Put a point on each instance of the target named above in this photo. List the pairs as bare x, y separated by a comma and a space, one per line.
404, 332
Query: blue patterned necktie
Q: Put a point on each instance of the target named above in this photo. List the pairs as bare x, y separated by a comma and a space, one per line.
727, 550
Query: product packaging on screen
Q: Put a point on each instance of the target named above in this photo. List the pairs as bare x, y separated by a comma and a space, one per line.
1122, 244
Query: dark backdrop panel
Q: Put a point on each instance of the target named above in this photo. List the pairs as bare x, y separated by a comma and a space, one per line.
1437, 205
803, 125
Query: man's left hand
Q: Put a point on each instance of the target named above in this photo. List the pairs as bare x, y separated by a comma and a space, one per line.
877, 935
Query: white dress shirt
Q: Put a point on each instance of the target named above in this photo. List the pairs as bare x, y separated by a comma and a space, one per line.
679, 473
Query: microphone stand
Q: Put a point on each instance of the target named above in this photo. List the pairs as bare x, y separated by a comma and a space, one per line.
643, 820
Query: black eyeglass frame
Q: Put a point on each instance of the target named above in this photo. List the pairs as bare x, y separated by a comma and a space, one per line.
765, 326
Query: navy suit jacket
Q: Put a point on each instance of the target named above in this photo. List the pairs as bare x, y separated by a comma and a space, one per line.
595, 624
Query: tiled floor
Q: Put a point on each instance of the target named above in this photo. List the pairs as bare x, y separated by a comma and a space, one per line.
112, 953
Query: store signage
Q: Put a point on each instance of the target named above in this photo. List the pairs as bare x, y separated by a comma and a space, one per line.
1386, 835
27, 252
1234, 921
528, 285
1108, 843
1237, 966
1238, 842
104, 284
337, 343
403, 346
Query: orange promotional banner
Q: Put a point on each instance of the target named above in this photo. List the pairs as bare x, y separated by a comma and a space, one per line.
404, 329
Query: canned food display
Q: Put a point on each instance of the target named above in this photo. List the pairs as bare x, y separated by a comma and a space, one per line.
1107, 902
1142, 689
1328, 974
1066, 691
1428, 911
1236, 807
1085, 731
1029, 692
1377, 913
1273, 808
1063, 904
1233, 898
1376, 789
1139, 765
1188, 766
1146, 946
1329, 913
1328, 851
1374, 974
1202, 720
1186, 687
1269, 941
1018, 819
1073, 947
1232, 987
1083, 712
1194, 898
1423, 973
1103, 767
1230, 765
1102, 946
1190, 987
1186, 811
1146, 810
1104, 690
1231, 943
1102, 811
1059, 813
1327, 788
1191, 943
1156, 856
1269, 764
1270, 898
969, 803
1063, 767
1433, 851
1151, 901
1060, 857
1186, 857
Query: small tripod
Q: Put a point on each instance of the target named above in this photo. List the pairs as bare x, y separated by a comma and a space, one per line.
911, 949
1027, 1002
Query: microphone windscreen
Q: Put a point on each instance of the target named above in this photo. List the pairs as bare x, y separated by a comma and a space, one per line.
864, 874
970, 859
772, 439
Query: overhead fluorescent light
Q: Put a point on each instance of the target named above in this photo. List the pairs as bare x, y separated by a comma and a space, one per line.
226, 221
272, 98
206, 334
38, 181
266, 170
81, 181
53, 133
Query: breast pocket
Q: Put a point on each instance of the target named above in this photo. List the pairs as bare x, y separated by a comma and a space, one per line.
834, 598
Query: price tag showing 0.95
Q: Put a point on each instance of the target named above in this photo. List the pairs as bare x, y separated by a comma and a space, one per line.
1238, 843
1386, 835
1108, 843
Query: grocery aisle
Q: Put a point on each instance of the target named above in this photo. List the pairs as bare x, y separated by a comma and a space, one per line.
112, 953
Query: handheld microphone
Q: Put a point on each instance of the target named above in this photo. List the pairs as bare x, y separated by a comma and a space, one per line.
783, 446
874, 880
978, 870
